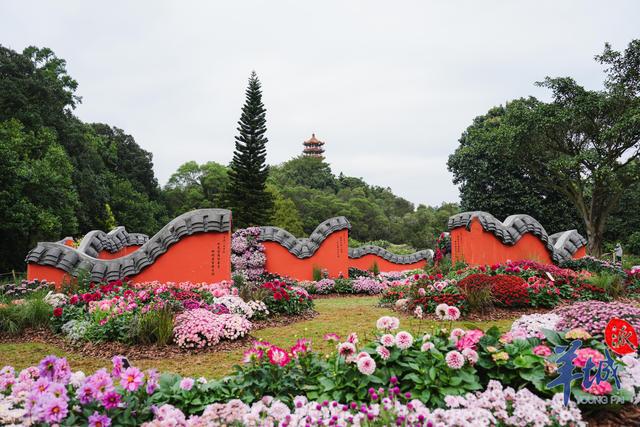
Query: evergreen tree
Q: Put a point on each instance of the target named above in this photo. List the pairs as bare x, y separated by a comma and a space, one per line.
246, 194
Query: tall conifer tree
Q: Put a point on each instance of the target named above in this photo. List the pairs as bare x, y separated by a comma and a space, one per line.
246, 195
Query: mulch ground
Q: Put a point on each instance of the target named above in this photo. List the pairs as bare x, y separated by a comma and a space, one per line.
107, 350
629, 415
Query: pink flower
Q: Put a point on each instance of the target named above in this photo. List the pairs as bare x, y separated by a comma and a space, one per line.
542, 350
599, 389
301, 346
422, 292
346, 349
353, 338
278, 356
387, 340
366, 365
454, 359
54, 410
131, 379
387, 323
426, 346
332, 337
453, 313
251, 355
471, 355
186, 383
404, 340
456, 334
585, 354
383, 352
470, 339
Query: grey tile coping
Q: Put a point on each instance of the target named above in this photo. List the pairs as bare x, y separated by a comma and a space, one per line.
73, 260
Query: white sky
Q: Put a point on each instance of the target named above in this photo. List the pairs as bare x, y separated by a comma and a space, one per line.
389, 86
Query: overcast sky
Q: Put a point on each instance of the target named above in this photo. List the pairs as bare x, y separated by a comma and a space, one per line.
389, 86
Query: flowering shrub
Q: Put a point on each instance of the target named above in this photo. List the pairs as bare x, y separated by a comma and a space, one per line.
386, 407
321, 287
510, 291
197, 328
368, 285
593, 264
533, 324
542, 292
233, 326
286, 299
247, 254
593, 316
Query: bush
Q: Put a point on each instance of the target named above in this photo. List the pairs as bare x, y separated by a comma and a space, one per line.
477, 291
593, 316
543, 293
343, 286
286, 299
509, 291
197, 329
612, 284
368, 285
154, 327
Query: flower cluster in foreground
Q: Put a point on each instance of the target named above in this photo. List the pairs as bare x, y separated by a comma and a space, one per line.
495, 405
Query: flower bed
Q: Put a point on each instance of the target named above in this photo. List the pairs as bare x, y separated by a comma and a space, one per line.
518, 284
449, 376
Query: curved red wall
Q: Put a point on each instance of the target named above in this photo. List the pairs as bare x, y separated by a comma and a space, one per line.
332, 255
366, 263
122, 252
478, 247
203, 257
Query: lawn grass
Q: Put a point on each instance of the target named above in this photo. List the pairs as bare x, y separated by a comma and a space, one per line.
338, 315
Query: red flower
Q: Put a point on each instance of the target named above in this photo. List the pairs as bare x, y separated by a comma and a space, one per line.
74, 299
57, 311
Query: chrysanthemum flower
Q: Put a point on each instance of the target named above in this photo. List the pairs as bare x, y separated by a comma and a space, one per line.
454, 359
366, 365
403, 340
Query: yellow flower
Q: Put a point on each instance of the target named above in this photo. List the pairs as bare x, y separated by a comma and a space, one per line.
500, 356
492, 349
577, 334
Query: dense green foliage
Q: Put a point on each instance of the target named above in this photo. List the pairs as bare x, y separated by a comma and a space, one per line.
246, 193
580, 150
61, 176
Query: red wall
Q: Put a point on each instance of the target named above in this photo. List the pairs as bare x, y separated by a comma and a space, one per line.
203, 257
331, 255
477, 247
366, 263
122, 252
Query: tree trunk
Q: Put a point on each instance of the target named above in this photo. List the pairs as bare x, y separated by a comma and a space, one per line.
594, 247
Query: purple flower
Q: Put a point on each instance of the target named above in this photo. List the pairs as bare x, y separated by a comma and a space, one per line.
187, 383
47, 366
99, 420
54, 410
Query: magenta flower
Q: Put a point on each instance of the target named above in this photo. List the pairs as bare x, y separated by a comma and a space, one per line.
111, 400
278, 356
131, 379
542, 350
99, 420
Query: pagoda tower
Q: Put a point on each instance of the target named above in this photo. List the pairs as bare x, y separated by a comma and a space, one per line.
313, 147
